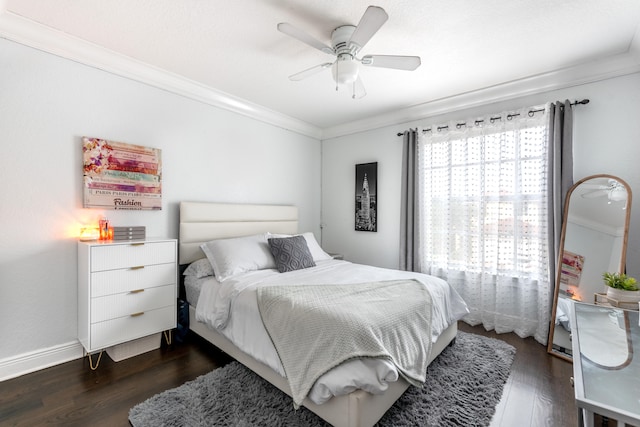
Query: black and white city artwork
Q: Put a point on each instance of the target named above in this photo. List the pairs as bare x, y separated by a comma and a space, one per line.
367, 197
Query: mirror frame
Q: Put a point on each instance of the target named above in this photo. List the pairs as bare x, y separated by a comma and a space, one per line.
623, 255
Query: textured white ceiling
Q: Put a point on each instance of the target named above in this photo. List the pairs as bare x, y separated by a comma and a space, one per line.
234, 46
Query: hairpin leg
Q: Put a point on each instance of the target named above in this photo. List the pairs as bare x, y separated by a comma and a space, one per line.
93, 368
167, 337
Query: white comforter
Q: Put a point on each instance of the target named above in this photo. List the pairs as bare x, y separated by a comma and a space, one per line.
231, 308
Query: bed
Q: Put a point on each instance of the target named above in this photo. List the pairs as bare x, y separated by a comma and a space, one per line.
205, 222
562, 330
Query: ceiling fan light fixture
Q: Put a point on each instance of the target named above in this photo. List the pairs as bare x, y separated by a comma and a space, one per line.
345, 71
618, 194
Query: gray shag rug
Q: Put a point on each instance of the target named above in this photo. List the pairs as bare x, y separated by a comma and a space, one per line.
464, 385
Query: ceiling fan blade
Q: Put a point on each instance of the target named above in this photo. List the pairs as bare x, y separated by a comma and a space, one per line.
309, 72
358, 89
305, 38
397, 62
369, 24
594, 194
594, 186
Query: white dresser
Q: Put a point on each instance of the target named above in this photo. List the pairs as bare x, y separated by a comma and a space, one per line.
126, 290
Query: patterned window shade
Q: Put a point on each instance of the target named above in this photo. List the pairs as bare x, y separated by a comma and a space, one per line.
482, 192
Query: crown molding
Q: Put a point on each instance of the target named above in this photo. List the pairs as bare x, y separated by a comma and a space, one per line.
634, 47
30, 33
596, 226
614, 66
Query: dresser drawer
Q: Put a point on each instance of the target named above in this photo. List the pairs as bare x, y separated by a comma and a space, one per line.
115, 331
126, 255
111, 282
121, 305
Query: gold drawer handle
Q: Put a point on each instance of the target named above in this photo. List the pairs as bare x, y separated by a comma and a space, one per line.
137, 291
137, 244
137, 314
139, 267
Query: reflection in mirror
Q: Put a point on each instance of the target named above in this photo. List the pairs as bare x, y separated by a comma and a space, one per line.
604, 338
593, 241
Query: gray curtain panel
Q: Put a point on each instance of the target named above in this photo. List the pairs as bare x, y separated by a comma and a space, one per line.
409, 234
561, 169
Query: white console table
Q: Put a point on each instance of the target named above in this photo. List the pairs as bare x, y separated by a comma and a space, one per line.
606, 363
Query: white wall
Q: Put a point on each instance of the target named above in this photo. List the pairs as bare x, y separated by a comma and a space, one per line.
46, 105
606, 140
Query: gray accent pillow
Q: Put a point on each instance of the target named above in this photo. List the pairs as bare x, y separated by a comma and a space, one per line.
291, 253
200, 268
317, 252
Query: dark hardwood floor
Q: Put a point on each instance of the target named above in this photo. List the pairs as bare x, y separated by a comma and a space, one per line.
538, 392
72, 395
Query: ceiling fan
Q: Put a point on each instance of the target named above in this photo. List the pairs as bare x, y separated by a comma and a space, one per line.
613, 190
346, 43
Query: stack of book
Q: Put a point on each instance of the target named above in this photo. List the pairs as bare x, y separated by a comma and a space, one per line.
129, 233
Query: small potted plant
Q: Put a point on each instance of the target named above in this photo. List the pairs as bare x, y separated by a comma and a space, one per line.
621, 287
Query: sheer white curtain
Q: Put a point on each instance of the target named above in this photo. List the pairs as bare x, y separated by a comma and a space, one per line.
483, 223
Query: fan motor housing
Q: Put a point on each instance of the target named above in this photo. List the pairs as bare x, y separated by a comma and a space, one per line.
340, 40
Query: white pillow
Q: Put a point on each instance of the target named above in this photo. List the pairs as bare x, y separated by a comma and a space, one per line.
229, 257
316, 251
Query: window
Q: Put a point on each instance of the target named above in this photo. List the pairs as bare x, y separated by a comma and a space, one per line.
484, 201
483, 222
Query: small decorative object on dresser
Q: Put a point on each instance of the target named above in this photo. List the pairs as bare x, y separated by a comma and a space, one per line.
126, 291
129, 233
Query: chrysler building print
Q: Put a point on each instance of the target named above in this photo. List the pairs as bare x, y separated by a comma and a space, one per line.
365, 214
365, 208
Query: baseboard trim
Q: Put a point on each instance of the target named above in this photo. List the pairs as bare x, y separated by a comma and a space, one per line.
26, 363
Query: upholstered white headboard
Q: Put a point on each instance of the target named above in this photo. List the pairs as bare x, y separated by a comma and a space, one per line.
201, 222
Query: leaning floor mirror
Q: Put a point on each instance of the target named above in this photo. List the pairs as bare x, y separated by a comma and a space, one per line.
594, 237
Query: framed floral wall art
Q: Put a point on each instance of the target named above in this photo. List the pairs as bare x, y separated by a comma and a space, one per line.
118, 175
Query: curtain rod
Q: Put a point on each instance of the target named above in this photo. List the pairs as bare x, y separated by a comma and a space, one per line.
509, 117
